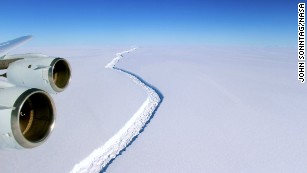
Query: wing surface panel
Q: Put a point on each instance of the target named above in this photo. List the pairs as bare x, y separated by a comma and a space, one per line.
12, 44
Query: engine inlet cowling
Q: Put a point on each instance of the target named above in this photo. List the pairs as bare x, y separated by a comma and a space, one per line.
49, 74
33, 118
59, 74
27, 117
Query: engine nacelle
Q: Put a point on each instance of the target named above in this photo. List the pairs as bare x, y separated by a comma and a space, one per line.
49, 74
27, 117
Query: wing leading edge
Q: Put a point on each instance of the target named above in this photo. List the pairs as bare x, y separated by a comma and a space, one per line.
12, 44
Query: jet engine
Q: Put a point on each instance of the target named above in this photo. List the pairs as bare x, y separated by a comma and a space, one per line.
46, 73
27, 111
27, 117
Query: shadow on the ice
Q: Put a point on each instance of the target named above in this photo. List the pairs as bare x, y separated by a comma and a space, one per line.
104, 169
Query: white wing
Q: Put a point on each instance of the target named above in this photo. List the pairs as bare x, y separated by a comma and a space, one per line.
12, 44
27, 111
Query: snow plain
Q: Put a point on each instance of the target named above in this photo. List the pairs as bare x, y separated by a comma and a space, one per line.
225, 109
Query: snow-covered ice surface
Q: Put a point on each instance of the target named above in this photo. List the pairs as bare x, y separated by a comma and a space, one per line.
97, 103
225, 109
99, 159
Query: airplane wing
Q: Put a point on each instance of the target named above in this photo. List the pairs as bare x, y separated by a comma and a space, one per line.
12, 44
27, 111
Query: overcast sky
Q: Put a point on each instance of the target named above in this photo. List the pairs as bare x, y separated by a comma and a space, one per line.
97, 22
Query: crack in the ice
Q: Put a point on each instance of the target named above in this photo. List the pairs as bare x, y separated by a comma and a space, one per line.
100, 159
